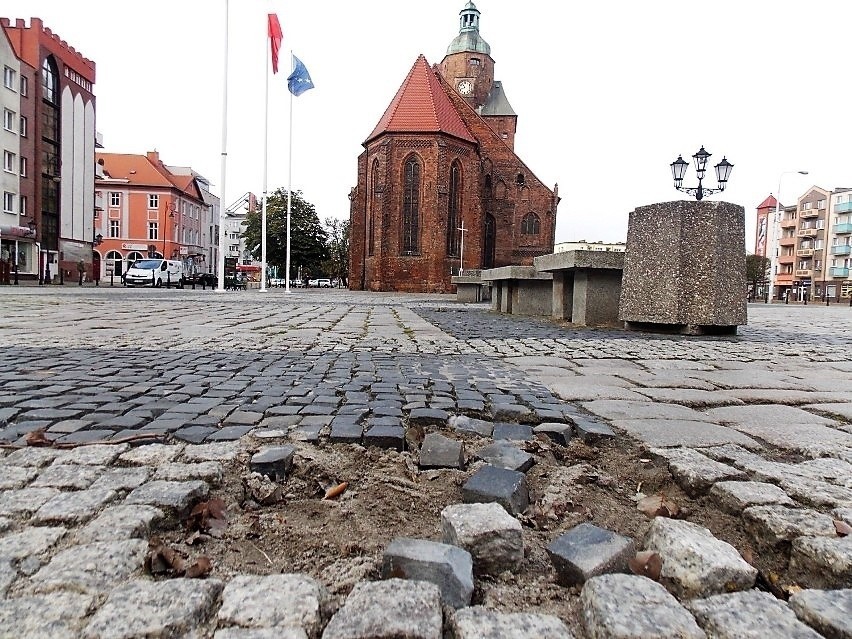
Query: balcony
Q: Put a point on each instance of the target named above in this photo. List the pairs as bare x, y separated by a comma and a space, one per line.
841, 249
809, 232
786, 259
804, 253
838, 271
843, 208
843, 228
787, 241
809, 213
788, 224
804, 272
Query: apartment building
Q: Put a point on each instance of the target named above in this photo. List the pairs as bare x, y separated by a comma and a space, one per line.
838, 282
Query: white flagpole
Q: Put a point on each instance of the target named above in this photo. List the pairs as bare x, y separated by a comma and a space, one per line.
290, 178
265, 172
222, 201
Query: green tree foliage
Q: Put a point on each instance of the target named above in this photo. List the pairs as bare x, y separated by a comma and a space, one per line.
308, 238
756, 269
337, 264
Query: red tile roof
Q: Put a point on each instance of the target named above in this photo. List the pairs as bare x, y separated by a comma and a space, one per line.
421, 106
141, 170
767, 203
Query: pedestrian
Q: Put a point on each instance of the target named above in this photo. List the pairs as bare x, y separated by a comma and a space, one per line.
81, 271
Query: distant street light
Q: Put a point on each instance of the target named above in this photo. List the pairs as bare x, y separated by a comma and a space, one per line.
723, 171
773, 236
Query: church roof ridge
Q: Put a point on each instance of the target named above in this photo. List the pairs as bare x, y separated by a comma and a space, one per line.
421, 106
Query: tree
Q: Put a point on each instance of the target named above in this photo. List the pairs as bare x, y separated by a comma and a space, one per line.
308, 239
756, 268
337, 264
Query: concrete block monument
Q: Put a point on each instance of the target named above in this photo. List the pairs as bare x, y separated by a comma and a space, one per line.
685, 268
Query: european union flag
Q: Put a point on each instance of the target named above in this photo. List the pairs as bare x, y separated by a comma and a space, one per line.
300, 80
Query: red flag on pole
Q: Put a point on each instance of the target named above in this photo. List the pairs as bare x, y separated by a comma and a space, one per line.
275, 37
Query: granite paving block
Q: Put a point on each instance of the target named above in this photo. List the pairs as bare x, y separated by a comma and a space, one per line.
142, 608
274, 600
122, 478
590, 430
478, 622
448, 567
557, 432
586, 551
776, 524
16, 476
620, 606
209, 471
93, 568
69, 476
24, 501
169, 495
390, 609
748, 614
31, 540
465, 424
221, 451
670, 432
56, 616
735, 496
491, 535
694, 472
821, 562
31, 457
505, 487
385, 437
827, 611
517, 432
695, 563
119, 522
74, 507
438, 451
93, 455
151, 454
504, 454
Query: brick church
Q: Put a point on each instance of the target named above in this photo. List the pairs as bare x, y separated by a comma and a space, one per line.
439, 185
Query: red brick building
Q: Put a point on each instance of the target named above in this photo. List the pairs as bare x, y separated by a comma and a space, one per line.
441, 159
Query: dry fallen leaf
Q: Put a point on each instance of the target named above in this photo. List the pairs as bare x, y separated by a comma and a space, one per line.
658, 506
201, 568
162, 559
208, 516
38, 438
747, 554
647, 563
843, 529
336, 491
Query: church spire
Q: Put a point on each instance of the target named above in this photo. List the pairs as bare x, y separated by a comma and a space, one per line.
469, 18
468, 38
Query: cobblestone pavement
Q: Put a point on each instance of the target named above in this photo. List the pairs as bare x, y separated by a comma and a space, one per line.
761, 422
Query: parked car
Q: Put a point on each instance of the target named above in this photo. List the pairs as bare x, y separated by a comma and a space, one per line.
155, 272
323, 282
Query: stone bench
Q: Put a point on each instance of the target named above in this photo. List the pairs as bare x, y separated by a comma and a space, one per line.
519, 290
470, 287
586, 285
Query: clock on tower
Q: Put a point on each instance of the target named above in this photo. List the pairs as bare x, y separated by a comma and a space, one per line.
465, 87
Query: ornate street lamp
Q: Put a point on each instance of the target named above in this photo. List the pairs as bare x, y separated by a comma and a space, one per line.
723, 172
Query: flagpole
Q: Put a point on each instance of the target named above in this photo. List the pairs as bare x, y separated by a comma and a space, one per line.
222, 202
290, 179
265, 177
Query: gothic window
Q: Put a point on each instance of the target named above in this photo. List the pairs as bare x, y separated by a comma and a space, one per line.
371, 221
520, 179
486, 191
530, 225
500, 190
50, 81
454, 210
410, 206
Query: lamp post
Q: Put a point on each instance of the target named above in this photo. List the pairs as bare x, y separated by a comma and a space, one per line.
170, 207
97, 241
773, 236
723, 172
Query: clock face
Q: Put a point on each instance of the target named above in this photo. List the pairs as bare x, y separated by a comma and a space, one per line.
465, 87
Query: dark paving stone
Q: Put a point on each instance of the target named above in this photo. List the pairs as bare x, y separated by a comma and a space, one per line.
387, 411
385, 437
559, 433
310, 434
343, 432
590, 430
586, 551
228, 433
428, 416
506, 487
194, 434
86, 436
274, 462
504, 454
517, 432
438, 451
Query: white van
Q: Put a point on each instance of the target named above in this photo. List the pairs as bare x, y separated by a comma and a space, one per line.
155, 272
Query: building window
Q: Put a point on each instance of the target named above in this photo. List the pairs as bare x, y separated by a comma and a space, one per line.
24, 205
9, 78
114, 198
153, 201
25, 86
530, 225
821, 204
411, 206
50, 80
8, 202
374, 202
114, 228
8, 120
153, 230
9, 162
23, 127
23, 167
453, 210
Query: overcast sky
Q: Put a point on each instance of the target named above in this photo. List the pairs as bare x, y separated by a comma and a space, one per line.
607, 93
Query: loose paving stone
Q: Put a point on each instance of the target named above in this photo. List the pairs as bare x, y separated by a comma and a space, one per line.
735, 496
504, 454
32, 540
209, 471
590, 430
586, 551
822, 562
16, 476
31, 456
122, 478
448, 567
223, 452
142, 608
516, 432
695, 563
74, 507
151, 454
478, 622
694, 472
557, 432
119, 522
774, 525
273, 461
748, 614
632, 607
24, 501
827, 611
465, 424
390, 609
505, 487
274, 601
385, 437
491, 535
68, 476
56, 616
438, 451
92, 568
92, 455
173, 495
